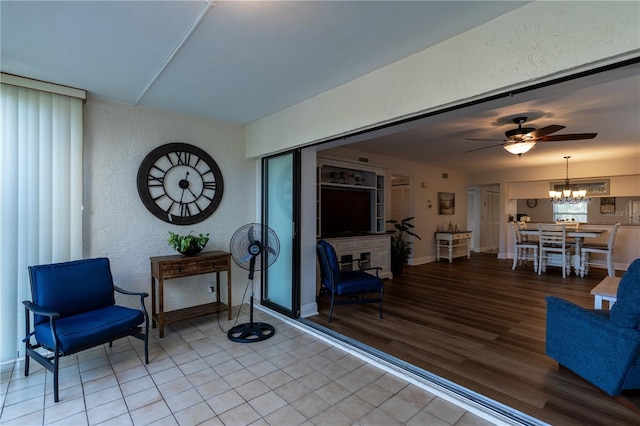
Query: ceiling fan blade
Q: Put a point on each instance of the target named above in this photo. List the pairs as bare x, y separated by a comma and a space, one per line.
484, 147
567, 137
544, 131
489, 140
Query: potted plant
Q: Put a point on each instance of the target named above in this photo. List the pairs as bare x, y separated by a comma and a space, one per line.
188, 245
400, 244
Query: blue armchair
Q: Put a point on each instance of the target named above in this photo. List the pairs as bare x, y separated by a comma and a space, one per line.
74, 309
601, 346
349, 286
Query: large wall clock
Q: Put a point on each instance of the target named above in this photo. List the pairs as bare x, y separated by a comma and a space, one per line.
180, 183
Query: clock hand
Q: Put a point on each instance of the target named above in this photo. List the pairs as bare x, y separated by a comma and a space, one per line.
184, 184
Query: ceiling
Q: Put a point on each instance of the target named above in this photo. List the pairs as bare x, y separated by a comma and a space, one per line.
607, 103
242, 61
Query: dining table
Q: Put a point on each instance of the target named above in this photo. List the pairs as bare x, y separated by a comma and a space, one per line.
578, 236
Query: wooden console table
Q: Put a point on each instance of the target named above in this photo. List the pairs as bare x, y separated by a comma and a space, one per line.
176, 266
453, 242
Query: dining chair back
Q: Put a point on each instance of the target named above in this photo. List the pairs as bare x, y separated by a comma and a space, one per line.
604, 252
523, 250
553, 247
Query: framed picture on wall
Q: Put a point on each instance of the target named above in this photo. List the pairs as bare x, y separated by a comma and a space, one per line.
607, 204
446, 203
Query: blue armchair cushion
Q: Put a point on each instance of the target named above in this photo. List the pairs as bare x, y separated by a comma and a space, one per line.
88, 327
70, 288
357, 282
626, 311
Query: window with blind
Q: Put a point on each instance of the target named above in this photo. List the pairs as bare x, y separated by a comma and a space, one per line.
40, 190
570, 212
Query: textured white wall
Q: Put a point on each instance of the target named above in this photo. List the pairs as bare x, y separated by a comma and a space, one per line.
118, 226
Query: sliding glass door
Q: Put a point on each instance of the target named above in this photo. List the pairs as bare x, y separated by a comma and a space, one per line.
280, 212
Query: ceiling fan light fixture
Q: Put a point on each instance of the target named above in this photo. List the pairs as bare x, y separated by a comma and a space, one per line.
519, 148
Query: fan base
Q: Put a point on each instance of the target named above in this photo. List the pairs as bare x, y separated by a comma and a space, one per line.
251, 332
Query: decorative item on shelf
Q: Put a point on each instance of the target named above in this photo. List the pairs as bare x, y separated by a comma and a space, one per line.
334, 177
568, 195
189, 245
359, 179
345, 177
401, 247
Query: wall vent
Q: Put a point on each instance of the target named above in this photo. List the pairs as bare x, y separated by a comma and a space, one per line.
363, 159
445, 176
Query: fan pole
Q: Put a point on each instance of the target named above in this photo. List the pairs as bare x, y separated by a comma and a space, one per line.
252, 331
247, 244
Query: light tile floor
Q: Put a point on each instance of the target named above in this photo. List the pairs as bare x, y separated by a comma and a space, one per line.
197, 376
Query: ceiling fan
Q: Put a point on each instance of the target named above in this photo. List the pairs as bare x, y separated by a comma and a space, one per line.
523, 139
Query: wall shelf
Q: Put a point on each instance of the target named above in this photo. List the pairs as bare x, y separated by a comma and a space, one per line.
350, 175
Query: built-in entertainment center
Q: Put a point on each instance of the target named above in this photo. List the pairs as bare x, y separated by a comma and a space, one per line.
350, 212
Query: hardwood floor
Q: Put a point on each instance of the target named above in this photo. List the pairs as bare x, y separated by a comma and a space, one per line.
482, 325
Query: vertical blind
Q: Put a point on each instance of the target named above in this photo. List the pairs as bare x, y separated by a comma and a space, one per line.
40, 195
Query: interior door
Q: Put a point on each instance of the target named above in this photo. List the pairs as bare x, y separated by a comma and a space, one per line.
281, 212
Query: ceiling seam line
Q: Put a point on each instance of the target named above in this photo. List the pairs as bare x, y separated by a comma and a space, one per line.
210, 4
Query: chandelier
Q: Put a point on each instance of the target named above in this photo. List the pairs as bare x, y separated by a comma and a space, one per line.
567, 195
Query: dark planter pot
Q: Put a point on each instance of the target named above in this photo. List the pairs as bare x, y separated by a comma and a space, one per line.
396, 267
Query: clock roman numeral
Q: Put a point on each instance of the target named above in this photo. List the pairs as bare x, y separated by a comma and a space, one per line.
210, 185
170, 159
184, 210
184, 158
155, 180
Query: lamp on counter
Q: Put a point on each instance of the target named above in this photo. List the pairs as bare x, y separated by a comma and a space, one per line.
567, 195
519, 148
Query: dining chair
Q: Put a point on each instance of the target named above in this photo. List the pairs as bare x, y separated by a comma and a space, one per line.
589, 249
554, 249
523, 250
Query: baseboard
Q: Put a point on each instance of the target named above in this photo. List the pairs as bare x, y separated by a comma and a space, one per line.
422, 260
308, 310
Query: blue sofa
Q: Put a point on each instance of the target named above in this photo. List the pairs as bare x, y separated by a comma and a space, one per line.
73, 308
601, 346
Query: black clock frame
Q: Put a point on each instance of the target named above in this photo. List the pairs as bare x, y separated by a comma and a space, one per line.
532, 202
179, 154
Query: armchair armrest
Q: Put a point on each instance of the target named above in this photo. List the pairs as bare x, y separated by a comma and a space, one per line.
39, 311
142, 295
376, 268
130, 293
590, 344
53, 316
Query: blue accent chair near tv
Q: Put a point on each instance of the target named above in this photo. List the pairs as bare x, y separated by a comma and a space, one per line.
600, 346
348, 286
74, 309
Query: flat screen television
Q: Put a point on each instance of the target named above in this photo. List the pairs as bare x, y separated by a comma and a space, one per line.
345, 211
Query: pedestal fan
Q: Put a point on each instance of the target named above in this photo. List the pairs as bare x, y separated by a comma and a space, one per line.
253, 247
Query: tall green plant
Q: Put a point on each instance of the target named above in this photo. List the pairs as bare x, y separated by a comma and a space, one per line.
400, 244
